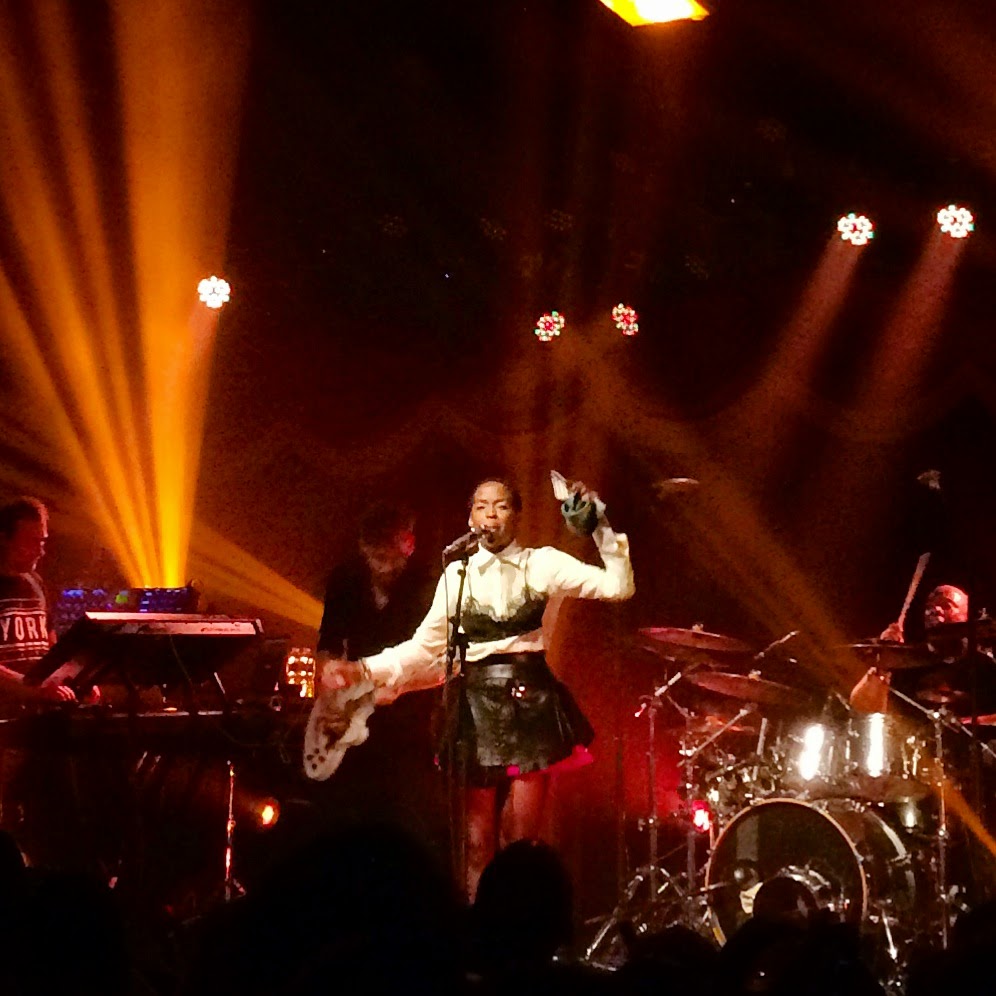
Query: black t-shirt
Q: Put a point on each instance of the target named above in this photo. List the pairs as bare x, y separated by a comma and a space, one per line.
23, 621
352, 622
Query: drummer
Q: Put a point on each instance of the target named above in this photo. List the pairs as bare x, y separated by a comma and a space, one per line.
945, 604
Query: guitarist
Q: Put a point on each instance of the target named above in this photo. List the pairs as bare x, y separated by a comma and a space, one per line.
372, 600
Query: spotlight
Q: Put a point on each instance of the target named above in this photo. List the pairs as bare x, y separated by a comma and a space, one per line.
549, 326
856, 229
640, 12
267, 812
214, 291
626, 319
956, 221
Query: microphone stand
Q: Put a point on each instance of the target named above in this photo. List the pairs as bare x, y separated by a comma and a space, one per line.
456, 775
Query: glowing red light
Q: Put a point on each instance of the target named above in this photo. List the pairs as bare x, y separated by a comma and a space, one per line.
701, 815
956, 221
626, 319
268, 813
549, 326
856, 229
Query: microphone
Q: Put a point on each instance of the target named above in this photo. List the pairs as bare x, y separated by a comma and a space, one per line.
465, 544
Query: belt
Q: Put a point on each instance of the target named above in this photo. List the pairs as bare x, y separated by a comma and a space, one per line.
507, 665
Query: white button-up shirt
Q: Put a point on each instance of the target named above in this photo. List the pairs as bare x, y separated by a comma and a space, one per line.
498, 584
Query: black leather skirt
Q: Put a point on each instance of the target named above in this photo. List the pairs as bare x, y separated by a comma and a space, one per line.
508, 716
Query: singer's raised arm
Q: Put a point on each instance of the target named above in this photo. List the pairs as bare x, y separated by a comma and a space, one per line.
566, 575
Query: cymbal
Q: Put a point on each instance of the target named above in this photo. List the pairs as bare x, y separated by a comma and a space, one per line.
890, 656
941, 694
694, 639
747, 688
952, 684
709, 724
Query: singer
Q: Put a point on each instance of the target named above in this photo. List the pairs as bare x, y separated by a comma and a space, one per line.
512, 721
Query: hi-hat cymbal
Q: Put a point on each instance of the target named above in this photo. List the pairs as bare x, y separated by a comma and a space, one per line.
709, 724
942, 694
890, 656
954, 683
747, 688
669, 637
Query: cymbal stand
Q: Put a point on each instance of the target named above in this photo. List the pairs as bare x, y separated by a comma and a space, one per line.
650, 873
650, 705
941, 719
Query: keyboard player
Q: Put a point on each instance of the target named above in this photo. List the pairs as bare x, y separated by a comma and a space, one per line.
35, 790
24, 629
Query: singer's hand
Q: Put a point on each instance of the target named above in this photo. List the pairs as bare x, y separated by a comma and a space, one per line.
893, 633
340, 673
583, 491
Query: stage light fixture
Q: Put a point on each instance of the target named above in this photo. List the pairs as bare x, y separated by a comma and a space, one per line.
641, 12
214, 291
956, 221
267, 812
626, 319
299, 671
549, 326
856, 229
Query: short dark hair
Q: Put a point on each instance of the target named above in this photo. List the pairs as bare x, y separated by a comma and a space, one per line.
382, 522
24, 509
513, 492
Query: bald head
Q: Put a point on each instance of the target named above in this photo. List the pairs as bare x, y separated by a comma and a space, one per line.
945, 604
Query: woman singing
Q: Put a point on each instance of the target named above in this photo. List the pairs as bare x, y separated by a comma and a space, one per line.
511, 720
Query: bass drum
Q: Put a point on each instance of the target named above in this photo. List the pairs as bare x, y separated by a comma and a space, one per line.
837, 856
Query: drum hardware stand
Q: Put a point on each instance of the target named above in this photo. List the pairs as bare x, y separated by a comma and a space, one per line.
688, 763
650, 704
231, 888
939, 719
652, 872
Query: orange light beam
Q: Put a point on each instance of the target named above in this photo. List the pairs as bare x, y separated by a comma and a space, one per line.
785, 381
226, 567
181, 76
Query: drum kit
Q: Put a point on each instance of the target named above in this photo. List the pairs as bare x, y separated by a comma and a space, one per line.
793, 806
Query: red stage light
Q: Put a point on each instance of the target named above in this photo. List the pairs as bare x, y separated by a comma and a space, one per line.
549, 326
268, 812
626, 319
701, 815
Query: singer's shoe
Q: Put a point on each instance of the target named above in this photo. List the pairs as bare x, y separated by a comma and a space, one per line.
337, 722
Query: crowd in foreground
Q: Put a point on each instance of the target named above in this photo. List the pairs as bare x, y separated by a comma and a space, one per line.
367, 909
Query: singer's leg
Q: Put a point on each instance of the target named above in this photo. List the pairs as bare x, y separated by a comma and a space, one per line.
481, 834
522, 813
